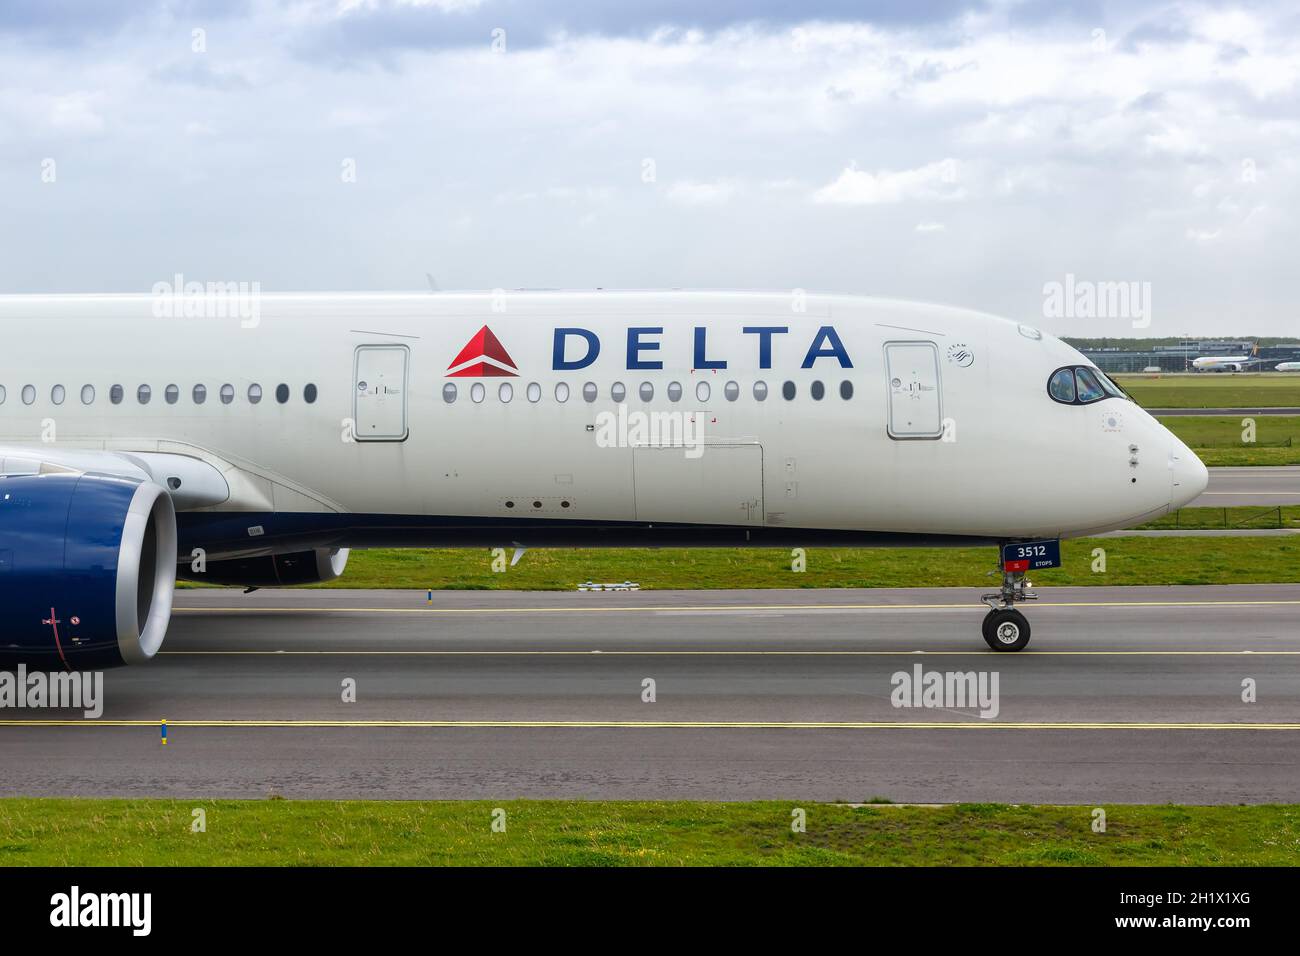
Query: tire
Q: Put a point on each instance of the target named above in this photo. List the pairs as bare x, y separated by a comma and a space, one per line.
1006, 629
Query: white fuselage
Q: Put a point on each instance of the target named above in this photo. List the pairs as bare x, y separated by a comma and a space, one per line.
1221, 363
947, 429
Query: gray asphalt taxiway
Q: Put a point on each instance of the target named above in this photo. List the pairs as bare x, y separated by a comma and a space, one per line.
1256, 487
1125, 695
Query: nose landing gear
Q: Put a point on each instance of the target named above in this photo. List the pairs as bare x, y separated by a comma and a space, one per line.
1005, 628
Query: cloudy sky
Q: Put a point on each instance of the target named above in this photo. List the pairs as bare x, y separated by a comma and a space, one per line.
962, 151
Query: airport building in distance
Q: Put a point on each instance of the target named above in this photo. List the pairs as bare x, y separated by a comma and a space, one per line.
1179, 357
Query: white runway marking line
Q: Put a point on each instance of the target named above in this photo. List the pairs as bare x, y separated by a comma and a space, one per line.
644, 725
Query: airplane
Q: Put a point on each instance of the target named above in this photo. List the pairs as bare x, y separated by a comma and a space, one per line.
1225, 363
146, 438
1288, 367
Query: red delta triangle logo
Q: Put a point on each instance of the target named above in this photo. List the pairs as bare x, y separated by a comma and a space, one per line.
483, 356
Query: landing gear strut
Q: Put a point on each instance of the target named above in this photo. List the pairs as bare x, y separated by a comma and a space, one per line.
1005, 628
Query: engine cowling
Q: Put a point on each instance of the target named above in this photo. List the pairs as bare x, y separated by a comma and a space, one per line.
272, 570
87, 569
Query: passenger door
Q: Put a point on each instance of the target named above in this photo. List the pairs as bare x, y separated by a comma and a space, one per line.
915, 398
379, 406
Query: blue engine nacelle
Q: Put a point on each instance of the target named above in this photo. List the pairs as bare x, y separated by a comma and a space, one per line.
87, 570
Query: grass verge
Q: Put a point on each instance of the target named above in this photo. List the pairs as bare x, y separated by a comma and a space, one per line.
1130, 561
1217, 439
1194, 519
1214, 390
95, 832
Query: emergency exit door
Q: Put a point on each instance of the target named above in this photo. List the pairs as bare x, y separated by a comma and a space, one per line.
915, 400
379, 392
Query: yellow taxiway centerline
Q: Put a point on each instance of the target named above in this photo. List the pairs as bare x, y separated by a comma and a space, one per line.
659, 725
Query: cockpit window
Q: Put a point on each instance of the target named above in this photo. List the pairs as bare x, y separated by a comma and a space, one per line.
1061, 385
1089, 388
1081, 385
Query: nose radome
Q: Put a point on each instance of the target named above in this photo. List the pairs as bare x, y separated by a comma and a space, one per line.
1188, 475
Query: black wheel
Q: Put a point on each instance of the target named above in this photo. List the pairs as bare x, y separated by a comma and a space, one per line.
1005, 629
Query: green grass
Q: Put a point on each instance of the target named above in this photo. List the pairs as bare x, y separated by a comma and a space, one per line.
56, 832
1218, 439
1214, 390
1134, 561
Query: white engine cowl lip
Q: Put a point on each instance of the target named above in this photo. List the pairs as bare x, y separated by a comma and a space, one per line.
151, 513
330, 562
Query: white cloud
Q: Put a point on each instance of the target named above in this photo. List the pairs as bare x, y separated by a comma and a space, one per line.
857, 187
526, 168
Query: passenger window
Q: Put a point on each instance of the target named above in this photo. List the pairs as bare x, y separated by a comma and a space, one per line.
227, 394
29, 394
254, 393
449, 393
57, 394
787, 391
115, 394
282, 393
477, 392
200, 394
87, 394
674, 391
702, 391
534, 392
618, 392
818, 391
143, 394
846, 390
1061, 386
171, 393
589, 392
1089, 388
562, 392
647, 392
760, 391
505, 392
309, 393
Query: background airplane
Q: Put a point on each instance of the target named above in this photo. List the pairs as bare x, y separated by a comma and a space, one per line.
1226, 363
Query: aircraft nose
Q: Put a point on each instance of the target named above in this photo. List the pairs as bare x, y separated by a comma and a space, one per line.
1188, 475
